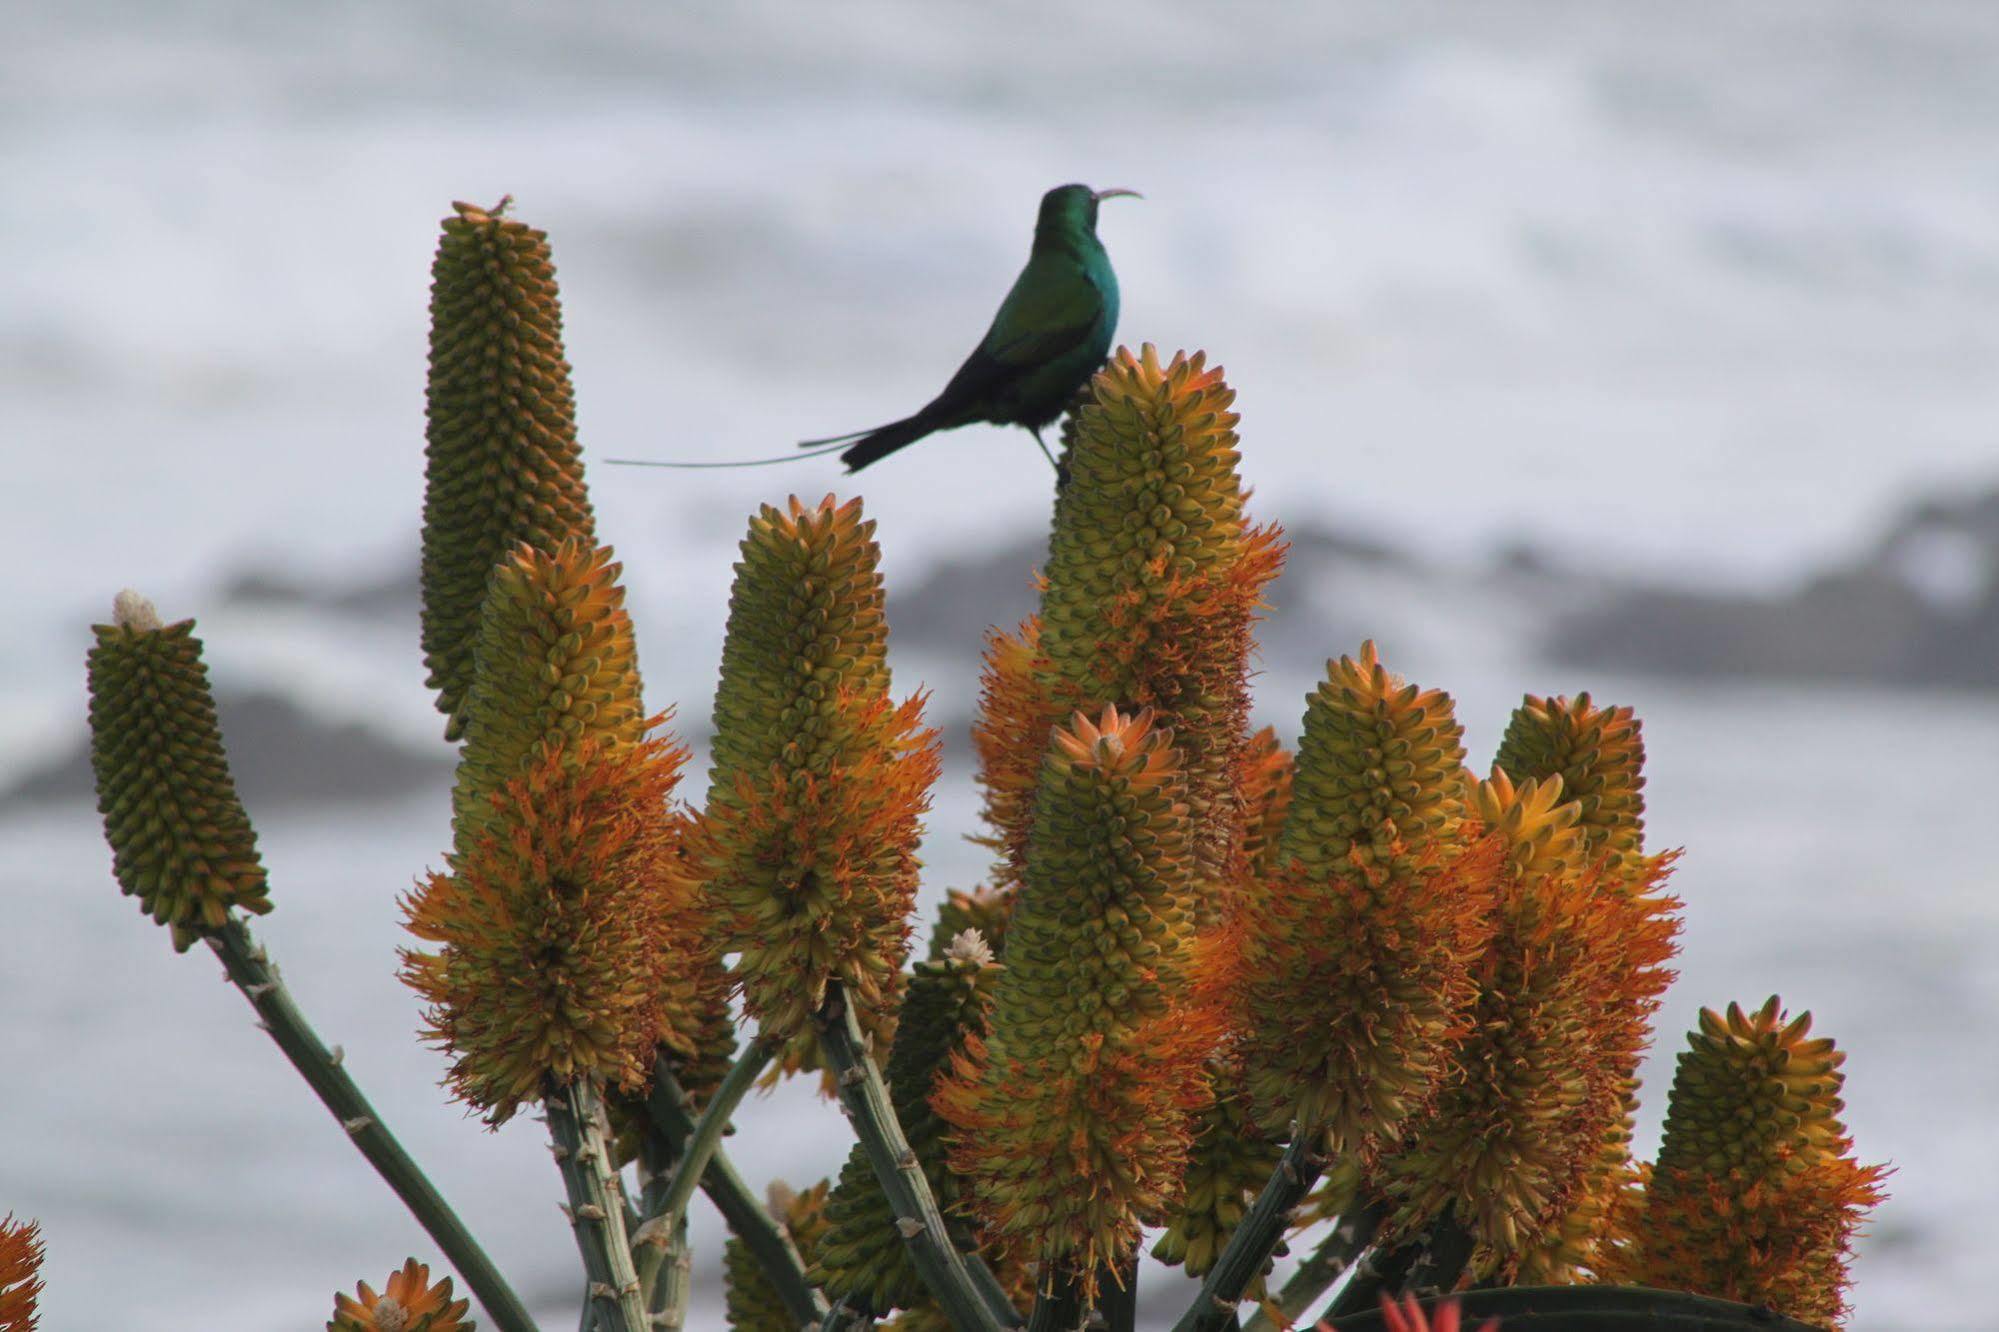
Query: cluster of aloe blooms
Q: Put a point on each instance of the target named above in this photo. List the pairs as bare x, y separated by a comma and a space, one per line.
1213, 987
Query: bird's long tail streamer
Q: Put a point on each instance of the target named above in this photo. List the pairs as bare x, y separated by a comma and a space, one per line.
745, 462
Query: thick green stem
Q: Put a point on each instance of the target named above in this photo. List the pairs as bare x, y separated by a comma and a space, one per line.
253, 973
1058, 1300
1381, 1271
596, 1209
1327, 1264
665, 1285
1117, 1296
1256, 1237
1446, 1251
666, 1227
671, 1116
965, 1288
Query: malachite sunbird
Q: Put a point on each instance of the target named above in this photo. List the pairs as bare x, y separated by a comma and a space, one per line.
1051, 334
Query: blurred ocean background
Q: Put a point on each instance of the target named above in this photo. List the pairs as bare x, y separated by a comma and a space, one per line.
1644, 349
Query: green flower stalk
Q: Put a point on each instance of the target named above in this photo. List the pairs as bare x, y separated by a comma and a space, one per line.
1756, 1195
862, 1259
1154, 578
1073, 1114
807, 848
1356, 956
752, 1304
502, 463
180, 840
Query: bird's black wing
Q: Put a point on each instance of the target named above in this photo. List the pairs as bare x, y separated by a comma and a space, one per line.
1051, 310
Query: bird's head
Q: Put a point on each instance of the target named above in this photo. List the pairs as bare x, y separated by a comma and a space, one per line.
1073, 208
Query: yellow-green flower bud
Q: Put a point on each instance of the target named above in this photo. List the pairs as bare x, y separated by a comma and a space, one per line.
807, 847
1566, 986
1756, 1195
503, 466
180, 840
1153, 580
1598, 752
1356, 950
1073, 1115
557, 665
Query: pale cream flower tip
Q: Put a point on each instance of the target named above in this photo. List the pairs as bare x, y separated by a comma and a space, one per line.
129, 610
390, 1316
970, 946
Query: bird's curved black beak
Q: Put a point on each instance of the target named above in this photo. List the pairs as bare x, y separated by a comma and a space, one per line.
1118, 192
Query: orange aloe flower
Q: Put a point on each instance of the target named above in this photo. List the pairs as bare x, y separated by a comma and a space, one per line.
1072, 1114
409, 1303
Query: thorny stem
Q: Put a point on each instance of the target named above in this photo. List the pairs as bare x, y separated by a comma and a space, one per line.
1328, 1263
671, 1118
257, 977
666, 1223
596, 1208
1257, 1236
970, 1295
665, 1285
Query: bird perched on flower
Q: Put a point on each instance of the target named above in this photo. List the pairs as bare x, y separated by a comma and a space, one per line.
1051, 334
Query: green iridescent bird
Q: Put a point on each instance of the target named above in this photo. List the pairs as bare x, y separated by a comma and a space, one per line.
1051, 334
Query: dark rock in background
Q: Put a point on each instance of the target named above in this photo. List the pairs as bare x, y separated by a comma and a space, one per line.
280, 754
1921, 608
1918, 608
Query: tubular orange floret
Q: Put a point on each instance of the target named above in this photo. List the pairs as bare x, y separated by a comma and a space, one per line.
1409, 1316
698, 1028
1073, 1114
1567, 987
556, 663
1356, 955
1009, 737
807, 848
1756, 1195
552, 925
408, 1303
20, 1274
1228, 1162
502, 463
181, 841
1264, 777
